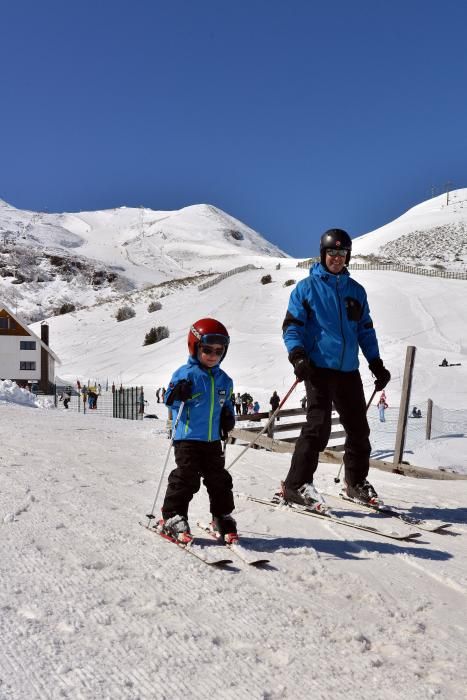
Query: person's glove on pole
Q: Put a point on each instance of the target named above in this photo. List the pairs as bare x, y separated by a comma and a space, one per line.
381, 374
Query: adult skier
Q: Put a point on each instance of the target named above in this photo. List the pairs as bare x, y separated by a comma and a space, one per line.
327, 321
207, 417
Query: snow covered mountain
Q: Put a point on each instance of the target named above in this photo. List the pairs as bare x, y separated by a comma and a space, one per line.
51, 261
431, 234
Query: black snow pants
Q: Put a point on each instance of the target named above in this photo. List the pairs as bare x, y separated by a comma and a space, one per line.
345, 390
196, 460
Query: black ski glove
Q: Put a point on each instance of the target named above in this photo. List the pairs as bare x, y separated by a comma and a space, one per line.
383, 376
227, 423
180, 392
302, 366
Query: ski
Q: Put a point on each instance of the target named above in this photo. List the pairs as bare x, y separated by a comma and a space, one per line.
383, 509
195, 549
244, 553
333, 518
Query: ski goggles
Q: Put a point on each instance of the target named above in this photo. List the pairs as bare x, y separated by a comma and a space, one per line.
333, 252
206, 350
215, 339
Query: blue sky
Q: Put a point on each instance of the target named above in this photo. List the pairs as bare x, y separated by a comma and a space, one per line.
293, 116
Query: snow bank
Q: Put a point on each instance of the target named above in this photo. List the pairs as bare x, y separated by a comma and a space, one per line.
10, 392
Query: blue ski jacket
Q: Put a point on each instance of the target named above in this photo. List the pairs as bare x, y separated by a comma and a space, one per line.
329, 317
212, 389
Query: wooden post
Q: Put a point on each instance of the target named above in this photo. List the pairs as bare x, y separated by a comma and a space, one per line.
404, 404
270, 432
429, 415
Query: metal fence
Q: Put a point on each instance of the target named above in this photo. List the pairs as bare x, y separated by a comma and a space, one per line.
446, 423
395, 267
224, 275
127, 402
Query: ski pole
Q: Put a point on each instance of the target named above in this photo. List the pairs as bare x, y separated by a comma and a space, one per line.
337, 478
150, 515
258, 435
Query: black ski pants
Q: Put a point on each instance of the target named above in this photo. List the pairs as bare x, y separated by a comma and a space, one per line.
345, 390
196, 460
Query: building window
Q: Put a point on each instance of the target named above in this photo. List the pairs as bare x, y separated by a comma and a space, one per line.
3, 322
27, 344
27, 365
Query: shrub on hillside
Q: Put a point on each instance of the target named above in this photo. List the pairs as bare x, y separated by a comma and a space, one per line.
124, 313
156, 334
154, 306
66, 308
289, 283
266, 279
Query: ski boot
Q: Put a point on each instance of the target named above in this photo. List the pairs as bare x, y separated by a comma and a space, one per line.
225, 528
177, 528
363, 493
306, 495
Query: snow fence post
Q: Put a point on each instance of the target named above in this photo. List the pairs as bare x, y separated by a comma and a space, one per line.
404, 405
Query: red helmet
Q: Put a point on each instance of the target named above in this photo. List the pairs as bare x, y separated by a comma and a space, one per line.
209, 331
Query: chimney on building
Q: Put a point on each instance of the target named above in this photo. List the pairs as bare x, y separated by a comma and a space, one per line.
44, 381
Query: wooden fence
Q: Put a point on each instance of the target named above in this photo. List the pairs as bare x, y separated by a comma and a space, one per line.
332, 454
281, 424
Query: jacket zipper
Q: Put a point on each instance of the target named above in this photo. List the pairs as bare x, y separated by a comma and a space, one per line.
340, 318
211, 408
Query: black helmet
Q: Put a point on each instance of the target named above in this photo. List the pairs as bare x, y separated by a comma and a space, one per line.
335, 238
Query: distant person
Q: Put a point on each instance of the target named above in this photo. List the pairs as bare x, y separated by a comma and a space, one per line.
238, 404
444, 363
158, 395
66, 397
142, 402
303, 403
274, 401
327, 322
256, 407
246, 400
382, 406
163, 394
92, 397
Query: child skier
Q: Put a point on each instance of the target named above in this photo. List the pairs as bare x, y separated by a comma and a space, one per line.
206, 419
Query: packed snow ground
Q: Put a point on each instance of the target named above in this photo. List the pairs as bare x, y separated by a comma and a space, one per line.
93, 606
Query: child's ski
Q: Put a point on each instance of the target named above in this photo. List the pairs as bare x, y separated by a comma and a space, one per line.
388, 510
195, 549
288, 506
244, 553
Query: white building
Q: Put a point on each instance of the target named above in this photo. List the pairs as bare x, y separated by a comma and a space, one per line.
24, 357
